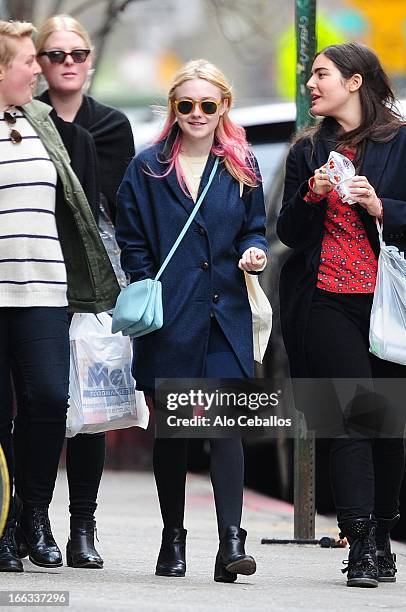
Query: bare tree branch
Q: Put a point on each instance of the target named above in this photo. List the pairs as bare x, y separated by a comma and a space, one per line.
20, 10
112, 13
57, 7
83, 7
251, 25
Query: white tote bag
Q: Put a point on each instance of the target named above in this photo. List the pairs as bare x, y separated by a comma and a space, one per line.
261, 311
387, 331
101, 388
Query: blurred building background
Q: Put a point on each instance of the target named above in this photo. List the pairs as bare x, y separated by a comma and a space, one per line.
251, 40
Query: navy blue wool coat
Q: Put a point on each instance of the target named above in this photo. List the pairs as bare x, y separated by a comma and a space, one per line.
203, 277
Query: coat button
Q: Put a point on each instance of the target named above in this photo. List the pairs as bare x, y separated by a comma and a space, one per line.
205, 265
216, 298
201, 231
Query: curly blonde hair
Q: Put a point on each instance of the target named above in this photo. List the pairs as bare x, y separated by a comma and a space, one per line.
10, 33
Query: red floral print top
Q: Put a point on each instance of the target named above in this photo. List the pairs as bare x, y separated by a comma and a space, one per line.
347, 262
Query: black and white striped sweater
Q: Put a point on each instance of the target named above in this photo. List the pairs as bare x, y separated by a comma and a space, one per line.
32, 269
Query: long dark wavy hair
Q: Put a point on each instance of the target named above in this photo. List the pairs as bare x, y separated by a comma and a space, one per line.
380, 119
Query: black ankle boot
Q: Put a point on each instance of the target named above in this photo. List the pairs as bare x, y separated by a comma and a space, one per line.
362, 564
9, 560
172, 556
80, 549
231, 558
34, 531
386, 558
22, 548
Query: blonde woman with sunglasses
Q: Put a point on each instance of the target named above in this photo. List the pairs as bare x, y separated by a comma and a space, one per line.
51, 259
65, 54
207, 329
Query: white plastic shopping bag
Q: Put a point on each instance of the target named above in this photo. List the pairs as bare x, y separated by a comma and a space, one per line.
101, 388
387, 331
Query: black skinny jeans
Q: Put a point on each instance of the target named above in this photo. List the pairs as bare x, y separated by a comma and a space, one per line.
226, 454
34, 345
366, 473
85, 454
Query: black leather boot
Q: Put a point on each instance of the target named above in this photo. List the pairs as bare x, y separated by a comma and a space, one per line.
22, 548
386, 558
172, 556
9, 559
80, 549
231, 558
362, 565
34, 531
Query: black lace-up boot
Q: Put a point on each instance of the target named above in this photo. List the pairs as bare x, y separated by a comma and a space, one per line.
80, 549
34, 532
231, 558
172, 556
362, 564
386, 558
9, 559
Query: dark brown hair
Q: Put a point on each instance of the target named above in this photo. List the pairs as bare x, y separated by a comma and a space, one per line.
380, 119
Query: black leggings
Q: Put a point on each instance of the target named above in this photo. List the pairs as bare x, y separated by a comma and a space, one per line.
366, 474
226, 454
226, 472
85, 454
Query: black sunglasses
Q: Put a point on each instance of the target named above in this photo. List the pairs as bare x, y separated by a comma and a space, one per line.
58, 56
15, 135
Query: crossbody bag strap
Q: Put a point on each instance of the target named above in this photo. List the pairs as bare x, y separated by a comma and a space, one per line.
189, 221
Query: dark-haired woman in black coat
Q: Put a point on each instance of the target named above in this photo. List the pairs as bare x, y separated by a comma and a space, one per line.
327, 284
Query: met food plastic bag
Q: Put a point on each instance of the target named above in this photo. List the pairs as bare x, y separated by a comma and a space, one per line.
102, 391
387, 331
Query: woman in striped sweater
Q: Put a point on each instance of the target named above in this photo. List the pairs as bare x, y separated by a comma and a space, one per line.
44, 268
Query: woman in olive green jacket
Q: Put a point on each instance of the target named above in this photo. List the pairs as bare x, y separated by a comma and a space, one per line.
51, 260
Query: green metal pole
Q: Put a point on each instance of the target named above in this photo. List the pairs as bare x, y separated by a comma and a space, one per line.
305, 51
304, 447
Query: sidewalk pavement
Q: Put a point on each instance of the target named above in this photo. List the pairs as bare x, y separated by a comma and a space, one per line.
289, 577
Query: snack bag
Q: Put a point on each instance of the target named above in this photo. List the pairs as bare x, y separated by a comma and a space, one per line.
340, 171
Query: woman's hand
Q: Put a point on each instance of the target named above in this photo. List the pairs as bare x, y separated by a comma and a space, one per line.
321, 183
253, 260
363, 193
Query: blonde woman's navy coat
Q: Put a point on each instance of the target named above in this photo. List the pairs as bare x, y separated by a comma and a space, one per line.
203, 278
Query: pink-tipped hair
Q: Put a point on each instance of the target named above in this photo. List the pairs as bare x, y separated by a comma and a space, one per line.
230, 143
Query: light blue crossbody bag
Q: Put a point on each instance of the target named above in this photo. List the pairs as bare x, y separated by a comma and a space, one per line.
139, 309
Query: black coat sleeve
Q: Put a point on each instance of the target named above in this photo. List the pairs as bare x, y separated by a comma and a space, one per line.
80, 147
114, 157
298, 224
